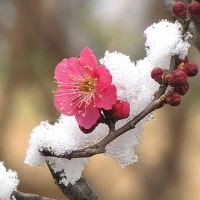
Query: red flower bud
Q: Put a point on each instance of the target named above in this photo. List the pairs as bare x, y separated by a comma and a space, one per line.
120, 110
173, 99
86, 131
157, 74
182, 90
179, 9
178, 78
194, 8
191, 68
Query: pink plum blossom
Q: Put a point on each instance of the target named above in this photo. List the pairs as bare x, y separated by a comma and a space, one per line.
84, 88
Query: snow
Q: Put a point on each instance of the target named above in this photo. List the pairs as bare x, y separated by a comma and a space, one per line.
164, 40
8, 182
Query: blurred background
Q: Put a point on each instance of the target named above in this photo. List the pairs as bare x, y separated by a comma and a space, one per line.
34, 37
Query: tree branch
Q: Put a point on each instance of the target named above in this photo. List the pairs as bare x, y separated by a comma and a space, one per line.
26, 196
113, 134
79, 191
99, 147
82, 190
195, 30
195, 25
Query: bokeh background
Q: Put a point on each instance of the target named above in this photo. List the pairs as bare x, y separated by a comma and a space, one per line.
34, 37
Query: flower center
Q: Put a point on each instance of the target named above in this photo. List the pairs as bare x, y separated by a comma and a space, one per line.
83, 90
88, 86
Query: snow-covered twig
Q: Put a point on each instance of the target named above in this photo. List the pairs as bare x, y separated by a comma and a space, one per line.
81, 190
194, 26
195, 30
166, 44
100, 146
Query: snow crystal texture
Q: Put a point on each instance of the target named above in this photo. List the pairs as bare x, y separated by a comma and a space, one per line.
164, 40
8, 182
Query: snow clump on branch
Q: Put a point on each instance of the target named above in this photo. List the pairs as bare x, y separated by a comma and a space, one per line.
133, 83
8, 182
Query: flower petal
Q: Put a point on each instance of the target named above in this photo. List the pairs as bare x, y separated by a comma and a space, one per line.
107, 97
103, 75
90, 118
87, 57
63, 102
66, 67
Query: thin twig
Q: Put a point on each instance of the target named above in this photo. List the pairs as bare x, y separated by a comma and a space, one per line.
194, 26
82, 190
99, 147
195, 30
26, 196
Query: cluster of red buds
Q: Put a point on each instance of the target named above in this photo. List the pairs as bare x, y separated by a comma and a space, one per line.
186, 12
178, 79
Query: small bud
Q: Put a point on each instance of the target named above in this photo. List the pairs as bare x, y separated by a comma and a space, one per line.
179, 9
191, 69
178, 78
157, 74
173, 99
182, 90
87, 131
194, 8
120, 110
